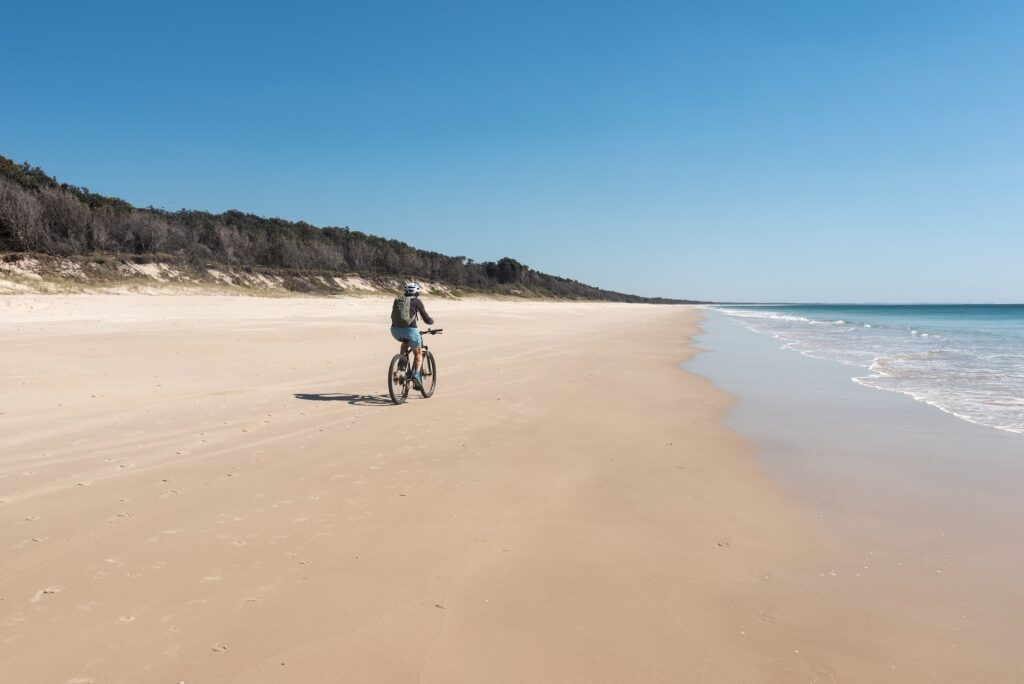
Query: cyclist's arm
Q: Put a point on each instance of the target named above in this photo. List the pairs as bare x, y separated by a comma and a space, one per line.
417, 307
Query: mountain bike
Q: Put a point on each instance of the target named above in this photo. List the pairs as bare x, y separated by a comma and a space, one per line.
400, 372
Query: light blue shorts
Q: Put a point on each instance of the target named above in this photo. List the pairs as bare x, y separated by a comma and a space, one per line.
410, 335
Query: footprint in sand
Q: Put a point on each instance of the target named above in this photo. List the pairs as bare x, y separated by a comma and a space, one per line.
125, 619
219, 648
44, 592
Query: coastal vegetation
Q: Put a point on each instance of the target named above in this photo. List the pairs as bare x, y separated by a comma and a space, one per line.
41, 217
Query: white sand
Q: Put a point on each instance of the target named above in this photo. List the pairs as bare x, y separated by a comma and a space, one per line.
216, 489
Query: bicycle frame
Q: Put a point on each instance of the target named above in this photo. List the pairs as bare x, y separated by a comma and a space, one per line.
401, 379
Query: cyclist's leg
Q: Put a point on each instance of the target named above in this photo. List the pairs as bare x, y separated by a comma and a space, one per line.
418, 363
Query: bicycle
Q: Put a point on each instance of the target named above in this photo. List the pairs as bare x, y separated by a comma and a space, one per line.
400, 372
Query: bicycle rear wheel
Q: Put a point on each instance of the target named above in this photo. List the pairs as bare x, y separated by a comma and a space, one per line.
428, 375
398, 382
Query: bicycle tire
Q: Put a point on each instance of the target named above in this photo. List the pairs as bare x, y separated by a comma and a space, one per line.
428, 376
398, 383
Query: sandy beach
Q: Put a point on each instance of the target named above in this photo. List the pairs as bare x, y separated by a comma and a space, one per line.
216, 489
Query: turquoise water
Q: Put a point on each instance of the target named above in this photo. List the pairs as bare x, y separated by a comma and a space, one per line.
967, 360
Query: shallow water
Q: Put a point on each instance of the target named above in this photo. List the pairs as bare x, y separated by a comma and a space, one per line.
967, 360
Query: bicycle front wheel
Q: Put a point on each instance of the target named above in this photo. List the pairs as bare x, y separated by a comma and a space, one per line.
428, 375
398, 383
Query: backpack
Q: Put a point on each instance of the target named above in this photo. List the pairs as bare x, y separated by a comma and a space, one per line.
401, 313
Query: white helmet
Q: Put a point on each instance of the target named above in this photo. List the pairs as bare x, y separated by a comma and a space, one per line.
411, 289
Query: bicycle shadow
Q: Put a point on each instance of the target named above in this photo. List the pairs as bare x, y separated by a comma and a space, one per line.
353, 399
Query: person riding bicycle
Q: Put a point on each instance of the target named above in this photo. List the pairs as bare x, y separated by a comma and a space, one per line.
404, 313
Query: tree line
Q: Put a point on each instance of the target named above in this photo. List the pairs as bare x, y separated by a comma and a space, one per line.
40, 215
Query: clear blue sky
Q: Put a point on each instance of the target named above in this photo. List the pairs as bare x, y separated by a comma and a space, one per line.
823, 151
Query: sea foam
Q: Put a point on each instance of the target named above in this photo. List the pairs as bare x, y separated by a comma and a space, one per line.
966, 361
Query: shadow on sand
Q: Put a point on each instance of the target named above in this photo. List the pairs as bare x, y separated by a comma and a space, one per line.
354, 399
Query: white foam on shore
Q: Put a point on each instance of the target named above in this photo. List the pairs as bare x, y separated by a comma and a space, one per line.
962, 380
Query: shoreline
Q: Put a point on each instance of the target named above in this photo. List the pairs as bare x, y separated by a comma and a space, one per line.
927, 500
959, 359
203, 488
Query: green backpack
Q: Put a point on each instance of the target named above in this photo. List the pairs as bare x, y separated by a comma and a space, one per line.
401, 313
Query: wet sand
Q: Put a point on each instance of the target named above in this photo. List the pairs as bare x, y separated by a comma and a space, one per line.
929, 503
216, 489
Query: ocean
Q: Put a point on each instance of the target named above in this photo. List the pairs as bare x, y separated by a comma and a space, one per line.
967, 360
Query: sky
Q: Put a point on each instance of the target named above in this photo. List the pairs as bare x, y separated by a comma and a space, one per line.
731, 151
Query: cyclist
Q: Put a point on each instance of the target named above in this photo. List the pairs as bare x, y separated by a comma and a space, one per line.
404, 313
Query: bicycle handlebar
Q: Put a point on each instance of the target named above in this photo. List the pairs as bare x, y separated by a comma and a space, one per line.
428, 331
